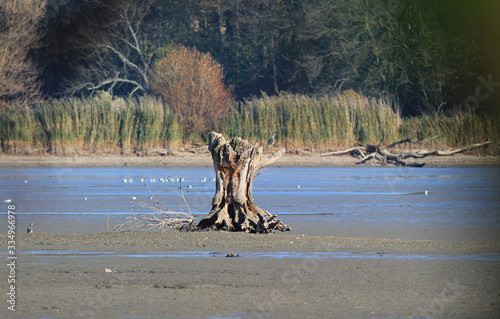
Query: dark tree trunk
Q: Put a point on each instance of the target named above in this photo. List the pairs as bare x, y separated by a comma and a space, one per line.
236, 163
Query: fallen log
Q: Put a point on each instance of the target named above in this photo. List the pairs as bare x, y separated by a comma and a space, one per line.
357, 150
382, 155
425, 153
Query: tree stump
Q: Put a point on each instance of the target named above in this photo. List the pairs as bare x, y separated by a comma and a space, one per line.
236, 163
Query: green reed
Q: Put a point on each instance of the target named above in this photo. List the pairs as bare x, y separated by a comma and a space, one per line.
106, 124
101, 124
300, 120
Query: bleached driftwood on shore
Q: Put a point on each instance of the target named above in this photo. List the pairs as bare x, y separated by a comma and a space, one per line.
382, 155
161, 218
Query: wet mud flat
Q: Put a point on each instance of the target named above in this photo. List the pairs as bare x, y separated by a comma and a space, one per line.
179, 275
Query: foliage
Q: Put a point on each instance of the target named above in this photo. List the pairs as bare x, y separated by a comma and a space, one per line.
414, 52
100, 124
425, 55
191, 83
299, 120
103, 124
346, 119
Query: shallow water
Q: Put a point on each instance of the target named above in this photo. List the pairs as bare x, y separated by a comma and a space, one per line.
405, 203
252, 254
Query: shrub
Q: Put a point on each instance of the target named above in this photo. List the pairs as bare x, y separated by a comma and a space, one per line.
191, 83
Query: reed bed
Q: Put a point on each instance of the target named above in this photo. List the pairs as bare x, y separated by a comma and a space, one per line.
347, 119
339, 121
103, 124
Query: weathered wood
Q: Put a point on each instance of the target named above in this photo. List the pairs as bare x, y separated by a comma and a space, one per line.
381, 155
352, 150
236, 164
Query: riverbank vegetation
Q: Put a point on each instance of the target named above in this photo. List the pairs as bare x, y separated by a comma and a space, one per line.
103, 124
117, 76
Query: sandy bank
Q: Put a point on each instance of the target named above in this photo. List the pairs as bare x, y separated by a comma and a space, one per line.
204, 160
54, 279
224, 241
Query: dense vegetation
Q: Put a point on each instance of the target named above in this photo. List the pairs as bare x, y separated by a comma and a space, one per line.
105, 125
118, 75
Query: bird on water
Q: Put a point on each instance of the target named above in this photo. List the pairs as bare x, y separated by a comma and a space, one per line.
30, 228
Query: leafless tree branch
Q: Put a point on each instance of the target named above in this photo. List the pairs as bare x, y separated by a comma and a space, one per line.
382, 155
161, 219
123, 40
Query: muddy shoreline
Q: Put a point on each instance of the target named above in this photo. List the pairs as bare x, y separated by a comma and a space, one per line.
282, 275
205, 160
76, 276
140, 242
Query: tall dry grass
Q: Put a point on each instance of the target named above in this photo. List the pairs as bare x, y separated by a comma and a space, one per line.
347, 119
101, 124
299, 120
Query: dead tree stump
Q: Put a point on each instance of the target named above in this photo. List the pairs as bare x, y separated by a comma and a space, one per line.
236, 163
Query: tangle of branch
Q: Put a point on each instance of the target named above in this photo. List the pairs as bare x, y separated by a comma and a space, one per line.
160, 219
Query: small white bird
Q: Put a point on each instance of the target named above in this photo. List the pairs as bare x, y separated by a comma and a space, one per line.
190, 186
7, 201
134, 198
125, 181
426, 193
85, 198
298, 186
25, 181
30, 228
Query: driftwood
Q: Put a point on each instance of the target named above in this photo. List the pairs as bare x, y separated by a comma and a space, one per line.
354, 151
236, 164
161, 218
382, 155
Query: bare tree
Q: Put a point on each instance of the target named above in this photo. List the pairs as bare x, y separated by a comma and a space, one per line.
18, 35
119, 53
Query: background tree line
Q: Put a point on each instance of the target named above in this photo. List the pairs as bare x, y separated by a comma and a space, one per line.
423, 54
199, 56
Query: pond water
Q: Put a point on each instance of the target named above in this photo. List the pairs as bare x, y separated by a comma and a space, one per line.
405, 203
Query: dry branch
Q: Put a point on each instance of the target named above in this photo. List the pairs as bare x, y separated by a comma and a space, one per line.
352, 150
161, 219
425, 153
382, 155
